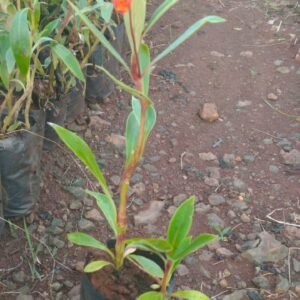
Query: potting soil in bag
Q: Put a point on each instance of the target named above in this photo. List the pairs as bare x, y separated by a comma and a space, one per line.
20, 155
98, 85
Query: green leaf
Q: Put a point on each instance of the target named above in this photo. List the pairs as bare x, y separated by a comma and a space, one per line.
136, 109
108, 208
184, 244
96, 266
100, 36
158, 13
190, 295
131, 135
138, 14
66, 57
20, 41
10, 60
145, 59
147, 265
197, 243
86, 240
157, 245
81, 149
151, 296
106, 11
188, 33
4, 74
181, 222
50, 27
150, 120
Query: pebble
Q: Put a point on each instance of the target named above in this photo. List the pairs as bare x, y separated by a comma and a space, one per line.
297, 289
231, 214
213, 219
24, 297
261, 282
291, 158
74, 293
182, 270
206, 255
249, 158
85, 225
177, 200
19, 276
282, 285
150, 168
246, 53
224, 252
115, 179
268, 141
117, 140
216, 199
223, 283
202, 208
216, 54
278, 62
228, 161
172, 160
209, 112
272, 97
243, 103
273, 169
94, 215
150, 215
75, 205
245, 218
209, 156
56, 286
211, 181
296, 264
139, 188
283, 70
239, 185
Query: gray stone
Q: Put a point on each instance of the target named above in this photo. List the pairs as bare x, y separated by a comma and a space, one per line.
245, 218
241, 205
211, 181
269, 250
202, 208
150, 215
239, 185
216, 199
291, 232
76, 191
278, 62
75, 205
137, 178
209, 112
282, 285
150, 168
56, 286
283, 70
261, 282
249, 158
94, 215
204, 272
272, 97
58, 243
254, 295
85, 225
237, 295
74, 293
213, 172
268, 141
224, 252
228, 161
115, 180
243, 103
19, 276
207, 156
24, 297
296, 264
182, 270
68, 284
291, 158
139, 188
206, 255
273, 169
177, 200
213, 219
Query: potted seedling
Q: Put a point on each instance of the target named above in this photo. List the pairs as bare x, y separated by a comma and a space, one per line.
140, 123
22, 76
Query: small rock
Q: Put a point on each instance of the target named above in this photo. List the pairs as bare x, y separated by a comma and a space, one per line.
243, 103
85, 225
150, 168
237, 295
207, 156
291, 232
94, 215
19, 276
283, 70
269, 250
68, 284
231, 214
216, 199
213, 172
56, 286
204, 272
296, 264
246, 53
216, 54
261, 282
278, 62
254, 295
223, 283
282, 285
115, 179
245, 218
273, 169
117, 140
177, 200
75, 205
58, 243
291, 158
182, 270
209, 112
202, 208
272, 97
211, 181
139, 188
228, 161
24, 297
224, 252
172, 160
248, 158
239, 185
74, 293
79, 266
150, 215
97, 123
213, 219
206, 255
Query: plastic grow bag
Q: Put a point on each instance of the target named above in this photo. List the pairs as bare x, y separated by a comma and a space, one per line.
98, 85
20, 154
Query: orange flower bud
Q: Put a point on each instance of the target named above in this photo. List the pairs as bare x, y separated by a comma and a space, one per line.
122, 6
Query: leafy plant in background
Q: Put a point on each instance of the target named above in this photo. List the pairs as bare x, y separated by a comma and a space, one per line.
140, 123
22, 40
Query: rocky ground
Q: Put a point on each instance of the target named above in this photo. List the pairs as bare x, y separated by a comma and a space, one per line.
228, 131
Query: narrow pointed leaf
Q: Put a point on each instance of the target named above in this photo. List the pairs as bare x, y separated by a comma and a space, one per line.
96, 266
144, 57
151, 296
150, 120
108, 208
50, 27
136, 109
4, 74
67, 58
20, 41
131, 135
81, 149
184, 244
100, 36
86, 240
148, 265
181, 222
188, 33
158, 13
138, 14
197, 243
190, 295
157, 245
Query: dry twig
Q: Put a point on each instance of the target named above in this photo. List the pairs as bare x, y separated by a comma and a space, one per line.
269, 216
